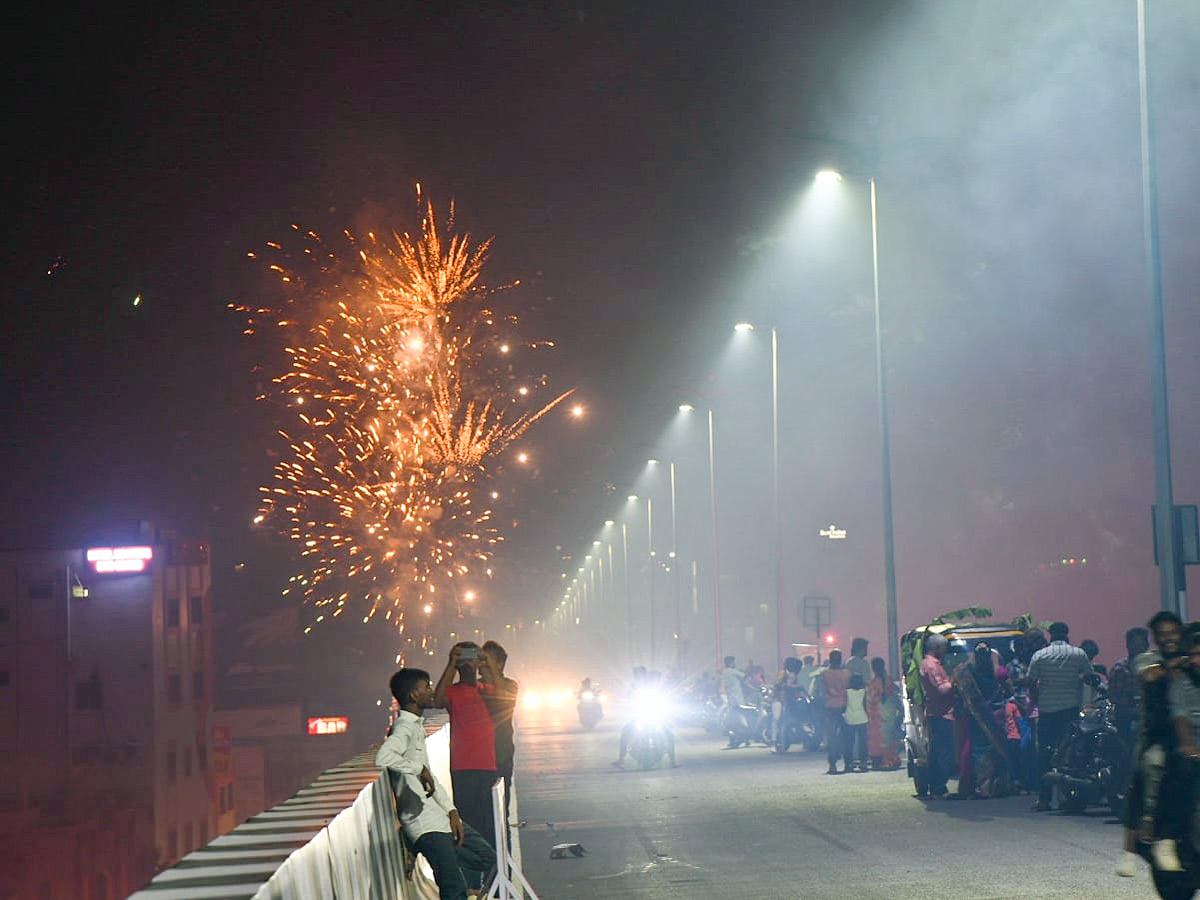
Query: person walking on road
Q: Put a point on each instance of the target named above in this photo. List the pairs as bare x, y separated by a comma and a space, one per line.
1056, 673
831, 686
939, 717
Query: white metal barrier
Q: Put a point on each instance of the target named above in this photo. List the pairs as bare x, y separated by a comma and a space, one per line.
503, 886
335, 840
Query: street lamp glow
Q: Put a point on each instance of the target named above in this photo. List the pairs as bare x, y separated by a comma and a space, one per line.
577, 411
522, 458
743, 327
828, 176
652, 462
686, 407
469, 595
632, 498
609, 523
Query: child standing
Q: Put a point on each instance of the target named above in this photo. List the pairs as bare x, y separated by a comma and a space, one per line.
856, 725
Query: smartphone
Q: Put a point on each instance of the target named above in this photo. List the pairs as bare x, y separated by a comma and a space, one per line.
466, 653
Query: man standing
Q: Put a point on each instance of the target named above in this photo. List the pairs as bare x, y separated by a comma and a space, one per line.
427, 814
858, 664
1123, 688
939, 717
1056, 672
1156, 670
833, 684
500, 696
472, 738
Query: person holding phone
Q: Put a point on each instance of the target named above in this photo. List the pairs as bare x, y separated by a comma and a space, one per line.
472, 738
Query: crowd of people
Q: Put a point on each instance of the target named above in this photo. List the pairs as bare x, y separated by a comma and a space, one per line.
456, 835
1011, 715
851, 703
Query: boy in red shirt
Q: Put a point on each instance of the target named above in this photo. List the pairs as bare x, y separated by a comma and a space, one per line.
472, 739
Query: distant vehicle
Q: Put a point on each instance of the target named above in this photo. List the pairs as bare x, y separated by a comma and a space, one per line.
589, 708
963, 638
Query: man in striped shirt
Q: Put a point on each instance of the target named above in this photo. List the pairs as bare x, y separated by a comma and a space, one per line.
1056, 673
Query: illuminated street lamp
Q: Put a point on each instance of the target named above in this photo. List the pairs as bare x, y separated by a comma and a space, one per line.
830, 177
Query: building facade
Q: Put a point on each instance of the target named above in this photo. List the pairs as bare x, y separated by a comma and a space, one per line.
106, 685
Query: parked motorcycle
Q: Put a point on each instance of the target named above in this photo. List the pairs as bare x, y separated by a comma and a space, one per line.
1091, 766
798, 725
748, 723
589, 709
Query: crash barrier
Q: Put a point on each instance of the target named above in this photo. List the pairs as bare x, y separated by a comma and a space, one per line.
508, 868
337, 839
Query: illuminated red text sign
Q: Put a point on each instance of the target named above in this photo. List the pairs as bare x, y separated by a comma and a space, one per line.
109, 560
328, 724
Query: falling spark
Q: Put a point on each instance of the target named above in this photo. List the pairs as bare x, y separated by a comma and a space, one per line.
389, 417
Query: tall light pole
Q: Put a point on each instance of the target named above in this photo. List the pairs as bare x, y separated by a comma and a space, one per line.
712, 492
1172, 587
650, 569
776, 514
716, 543
675, 576
885, 451
628, 592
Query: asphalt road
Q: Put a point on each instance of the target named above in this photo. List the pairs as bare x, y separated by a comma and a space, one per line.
749, 824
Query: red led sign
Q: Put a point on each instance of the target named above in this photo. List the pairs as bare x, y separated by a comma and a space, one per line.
119, 560
328, 724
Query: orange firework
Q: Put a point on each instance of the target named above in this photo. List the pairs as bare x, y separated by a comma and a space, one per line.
392, 418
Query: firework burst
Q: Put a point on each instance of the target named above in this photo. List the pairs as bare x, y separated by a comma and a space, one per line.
391, 417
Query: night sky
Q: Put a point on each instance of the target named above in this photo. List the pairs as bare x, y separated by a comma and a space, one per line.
646, 171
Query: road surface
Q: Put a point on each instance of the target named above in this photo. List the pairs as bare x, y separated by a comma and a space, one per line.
749, 824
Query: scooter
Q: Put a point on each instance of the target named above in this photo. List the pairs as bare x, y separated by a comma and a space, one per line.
589, 709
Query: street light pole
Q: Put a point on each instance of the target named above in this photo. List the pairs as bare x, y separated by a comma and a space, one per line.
779, 638
712, 491
675, 575
628, 592
650, 569
1173, 594
889, 548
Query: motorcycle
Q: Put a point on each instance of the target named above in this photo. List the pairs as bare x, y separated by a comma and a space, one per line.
1091, 766
748, 723
649, 742
798, 725
589, 709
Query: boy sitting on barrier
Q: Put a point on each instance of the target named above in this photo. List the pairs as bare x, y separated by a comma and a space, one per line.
426, 812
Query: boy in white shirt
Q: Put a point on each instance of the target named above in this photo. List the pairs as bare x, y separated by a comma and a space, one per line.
426, 812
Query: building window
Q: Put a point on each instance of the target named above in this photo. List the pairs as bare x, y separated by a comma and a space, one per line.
5, 615
187, 763
195, 610
174, 689
187, 838
89, 694
41, 590
202, 759
172, 844
4, 678
172, 612
171, 764
197, 685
